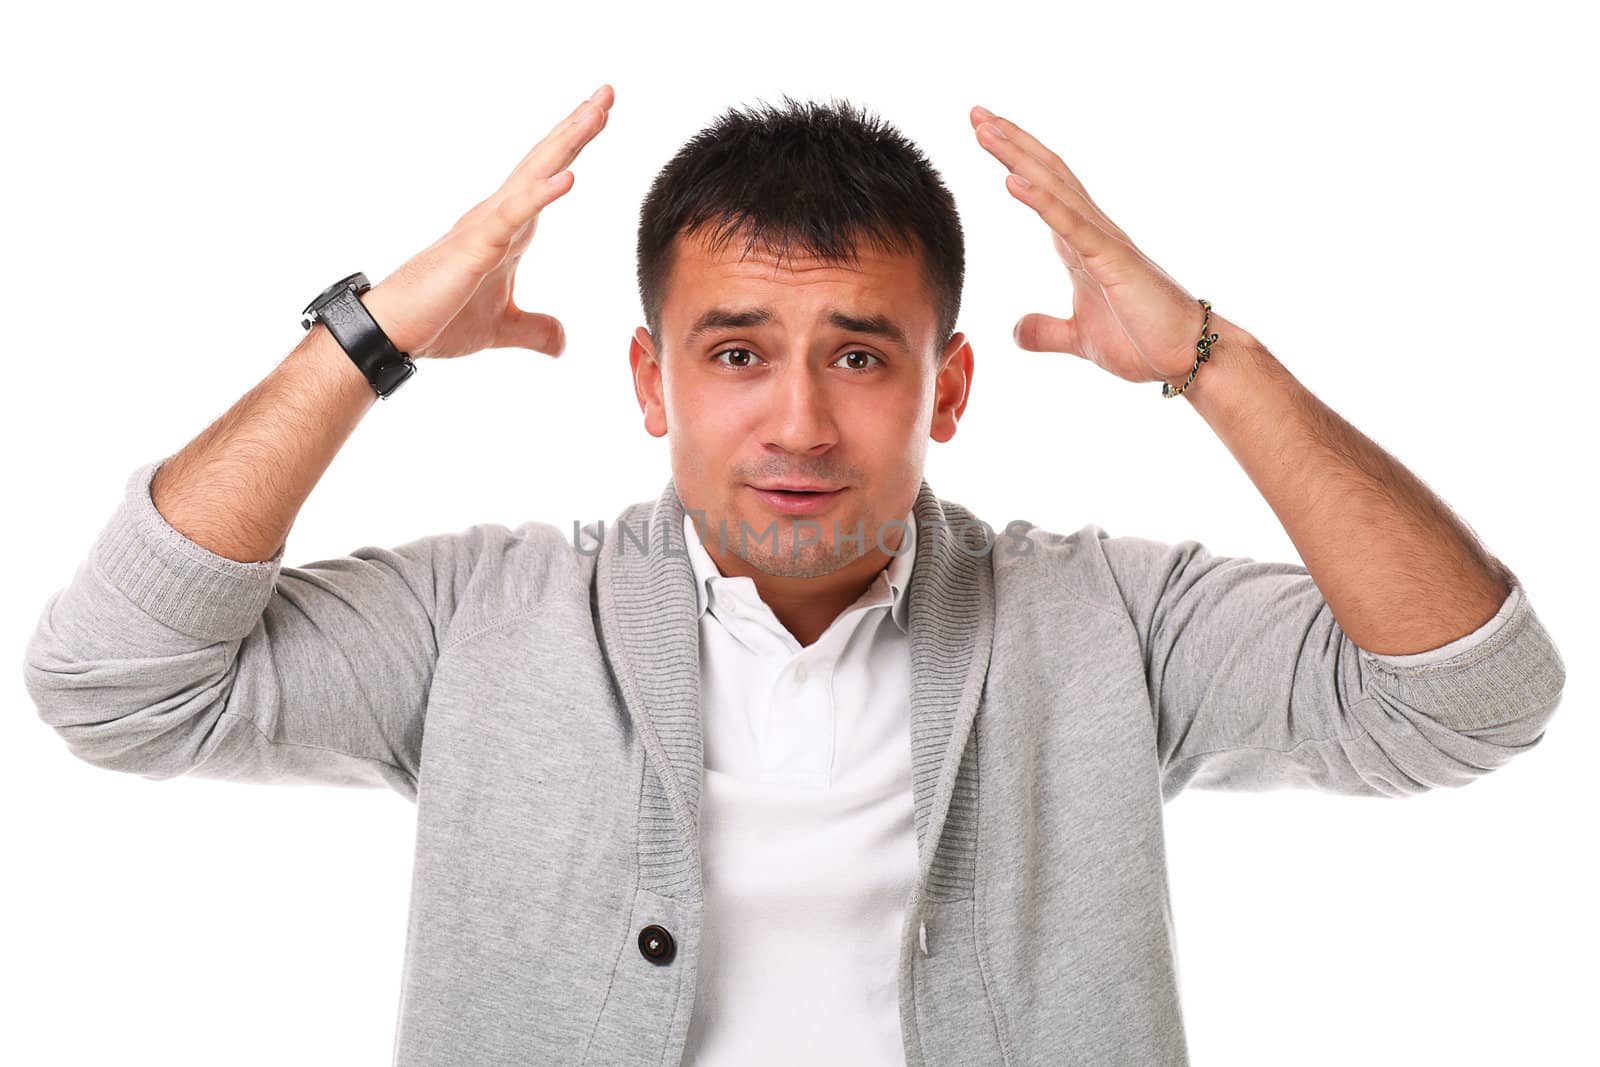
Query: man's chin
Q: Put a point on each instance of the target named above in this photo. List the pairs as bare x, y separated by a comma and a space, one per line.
768, 543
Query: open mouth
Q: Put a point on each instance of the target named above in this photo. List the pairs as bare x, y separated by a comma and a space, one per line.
797, 501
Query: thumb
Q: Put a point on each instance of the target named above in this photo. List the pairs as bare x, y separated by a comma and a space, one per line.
1046, 333
530, 329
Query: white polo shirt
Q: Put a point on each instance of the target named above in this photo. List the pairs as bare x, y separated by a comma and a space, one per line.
807, 837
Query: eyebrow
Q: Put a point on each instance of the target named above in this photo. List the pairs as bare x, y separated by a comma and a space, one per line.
741, 318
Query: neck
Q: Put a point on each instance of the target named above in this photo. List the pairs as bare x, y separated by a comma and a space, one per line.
808, 606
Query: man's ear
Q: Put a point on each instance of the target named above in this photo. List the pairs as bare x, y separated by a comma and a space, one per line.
648, 387
952, 385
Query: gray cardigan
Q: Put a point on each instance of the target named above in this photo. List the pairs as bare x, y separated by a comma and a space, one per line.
537, 696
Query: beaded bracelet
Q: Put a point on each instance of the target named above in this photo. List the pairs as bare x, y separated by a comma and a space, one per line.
1202, 346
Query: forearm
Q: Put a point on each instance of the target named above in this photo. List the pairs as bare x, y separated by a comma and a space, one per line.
1399, 570
237, 487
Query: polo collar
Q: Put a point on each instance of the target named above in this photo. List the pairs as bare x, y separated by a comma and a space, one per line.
897, 571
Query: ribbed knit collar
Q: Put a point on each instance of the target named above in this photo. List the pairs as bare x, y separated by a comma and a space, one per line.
648, 613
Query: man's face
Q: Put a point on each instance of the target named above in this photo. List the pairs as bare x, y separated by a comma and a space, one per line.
817, 393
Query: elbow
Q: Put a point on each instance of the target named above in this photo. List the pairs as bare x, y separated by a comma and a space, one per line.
1506, 689
1518, 716
1414, 740
1521, 725
120, 714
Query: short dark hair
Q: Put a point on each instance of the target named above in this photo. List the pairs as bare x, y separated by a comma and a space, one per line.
804, 177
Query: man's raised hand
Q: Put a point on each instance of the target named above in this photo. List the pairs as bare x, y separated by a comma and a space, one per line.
455, 296
1129, 316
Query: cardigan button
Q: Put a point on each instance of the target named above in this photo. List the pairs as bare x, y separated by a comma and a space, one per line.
656, 944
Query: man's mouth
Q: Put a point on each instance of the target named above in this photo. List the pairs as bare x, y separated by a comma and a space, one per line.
797, 501
798, 487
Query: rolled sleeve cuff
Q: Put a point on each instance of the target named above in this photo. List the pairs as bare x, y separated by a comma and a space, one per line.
1512, 672
176, 581
1460, 644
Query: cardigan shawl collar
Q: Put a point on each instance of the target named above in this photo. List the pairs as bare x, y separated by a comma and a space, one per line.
646, 605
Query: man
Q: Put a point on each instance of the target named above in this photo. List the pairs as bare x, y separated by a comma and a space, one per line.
798, 762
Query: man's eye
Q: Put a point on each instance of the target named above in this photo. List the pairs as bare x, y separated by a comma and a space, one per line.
861, 352
726, 351
747, 358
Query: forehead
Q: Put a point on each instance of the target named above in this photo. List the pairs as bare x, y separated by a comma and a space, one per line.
878, 292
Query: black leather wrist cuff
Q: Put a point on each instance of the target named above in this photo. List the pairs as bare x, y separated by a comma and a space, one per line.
339, 307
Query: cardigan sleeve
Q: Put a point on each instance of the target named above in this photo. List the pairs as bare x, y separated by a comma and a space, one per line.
161, 658
1254, 685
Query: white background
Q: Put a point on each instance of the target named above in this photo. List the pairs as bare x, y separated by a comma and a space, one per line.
1396, 199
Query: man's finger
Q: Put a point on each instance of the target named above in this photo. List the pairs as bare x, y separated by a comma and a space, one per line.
1046, 333
1034, 170
1054, 163
531, 329
602, 98
1042, 190
511, 213
543, 175
557, 151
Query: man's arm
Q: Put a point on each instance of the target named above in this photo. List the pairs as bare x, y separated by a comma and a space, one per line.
1401, 573
1254, 683
1400, 657
183, 646
237, 487
161, 658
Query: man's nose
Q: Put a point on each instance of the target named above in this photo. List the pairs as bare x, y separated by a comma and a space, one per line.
800, 418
